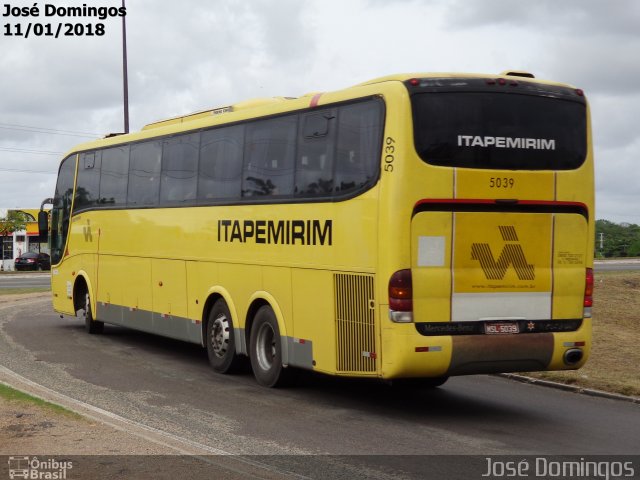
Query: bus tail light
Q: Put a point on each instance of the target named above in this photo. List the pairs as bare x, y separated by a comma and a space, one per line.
401, 297
588, 293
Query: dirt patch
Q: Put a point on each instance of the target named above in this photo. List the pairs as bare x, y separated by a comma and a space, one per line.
27, 429
68, 446
13, 297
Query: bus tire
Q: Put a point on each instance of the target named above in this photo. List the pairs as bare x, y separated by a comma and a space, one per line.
266, 350
221, 345
92, 326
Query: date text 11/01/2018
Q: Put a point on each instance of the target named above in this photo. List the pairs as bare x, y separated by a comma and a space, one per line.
54, 30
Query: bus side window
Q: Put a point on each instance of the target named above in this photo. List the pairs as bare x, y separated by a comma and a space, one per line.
179, 177
114, 175
144, 173
269, 157
359, 141
88, 188
220, 169
316, 152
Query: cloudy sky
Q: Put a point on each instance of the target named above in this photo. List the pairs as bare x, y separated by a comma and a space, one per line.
194, 54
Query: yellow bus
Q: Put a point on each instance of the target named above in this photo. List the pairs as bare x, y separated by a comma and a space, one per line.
410, 228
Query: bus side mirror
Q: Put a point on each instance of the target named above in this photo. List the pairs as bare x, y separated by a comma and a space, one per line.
43, 226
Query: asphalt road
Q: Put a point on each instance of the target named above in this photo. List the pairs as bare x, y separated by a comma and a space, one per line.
352, 429
25, 280
616, 265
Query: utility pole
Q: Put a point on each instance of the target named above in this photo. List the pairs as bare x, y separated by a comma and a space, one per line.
124, 71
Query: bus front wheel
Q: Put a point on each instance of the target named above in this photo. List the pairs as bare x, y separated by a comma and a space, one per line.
91, 325
266, 350
221, 346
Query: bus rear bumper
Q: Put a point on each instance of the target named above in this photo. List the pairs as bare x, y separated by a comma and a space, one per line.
407, 354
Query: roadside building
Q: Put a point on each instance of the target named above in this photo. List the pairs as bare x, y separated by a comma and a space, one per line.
16, 243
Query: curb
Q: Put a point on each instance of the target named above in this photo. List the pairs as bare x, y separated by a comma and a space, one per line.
617, 261
570, 388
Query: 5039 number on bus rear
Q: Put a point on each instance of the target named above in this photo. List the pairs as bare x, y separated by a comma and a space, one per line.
501, 182
389, 154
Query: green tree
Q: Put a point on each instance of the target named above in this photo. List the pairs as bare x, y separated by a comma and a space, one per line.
617, 239
634, 248
13, 221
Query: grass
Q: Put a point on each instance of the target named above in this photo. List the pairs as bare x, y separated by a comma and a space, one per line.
20, 291
22, 272
614, 365
12, 395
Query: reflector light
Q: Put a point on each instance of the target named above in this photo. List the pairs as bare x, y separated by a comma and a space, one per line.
502, 81
429, 349
401, 291
401, 297
414, 82
588, 288
579, 92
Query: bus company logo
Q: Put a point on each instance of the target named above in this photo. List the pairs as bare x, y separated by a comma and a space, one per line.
511, 254
86, 231
506, 142
33, 468
279, 232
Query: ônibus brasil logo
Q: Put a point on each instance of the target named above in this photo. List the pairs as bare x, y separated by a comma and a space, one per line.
511, 254
33, 468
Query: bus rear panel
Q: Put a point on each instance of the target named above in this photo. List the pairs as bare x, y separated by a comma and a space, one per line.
500, 273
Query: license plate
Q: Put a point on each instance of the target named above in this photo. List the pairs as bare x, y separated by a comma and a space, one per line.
502, 328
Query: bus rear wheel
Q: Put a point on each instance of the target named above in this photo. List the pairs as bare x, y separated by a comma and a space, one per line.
92, 326
266, 350
221, 346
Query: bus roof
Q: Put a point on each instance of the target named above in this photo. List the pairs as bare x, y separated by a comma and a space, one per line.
245, 105
267, 104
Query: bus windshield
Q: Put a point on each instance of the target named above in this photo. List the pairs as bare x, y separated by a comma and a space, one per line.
499, 130
61, 212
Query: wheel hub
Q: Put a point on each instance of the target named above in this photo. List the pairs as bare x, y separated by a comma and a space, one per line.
220, 335
266, 347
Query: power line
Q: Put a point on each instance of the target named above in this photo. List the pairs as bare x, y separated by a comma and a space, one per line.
24, 150
17, 170
54, 131
32, 130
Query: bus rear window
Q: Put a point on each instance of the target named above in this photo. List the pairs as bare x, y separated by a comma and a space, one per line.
499, 130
